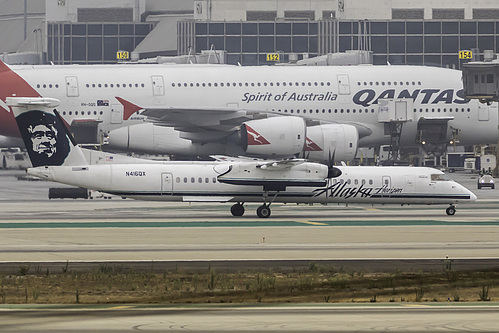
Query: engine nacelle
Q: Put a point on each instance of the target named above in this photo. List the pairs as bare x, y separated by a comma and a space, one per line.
336, 142
152, 139
281, 136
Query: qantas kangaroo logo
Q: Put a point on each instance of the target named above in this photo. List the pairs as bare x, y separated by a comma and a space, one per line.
311, 146
255, 138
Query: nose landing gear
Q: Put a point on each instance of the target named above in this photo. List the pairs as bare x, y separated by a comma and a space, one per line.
451, 210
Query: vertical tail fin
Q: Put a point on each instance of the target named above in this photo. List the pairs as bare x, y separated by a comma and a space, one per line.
45, 136
11, 84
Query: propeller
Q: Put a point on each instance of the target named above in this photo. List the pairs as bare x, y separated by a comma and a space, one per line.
333, 172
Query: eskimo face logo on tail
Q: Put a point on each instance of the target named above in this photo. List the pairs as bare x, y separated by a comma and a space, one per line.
44, 138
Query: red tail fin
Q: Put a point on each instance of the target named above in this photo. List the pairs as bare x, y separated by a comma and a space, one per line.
11, 84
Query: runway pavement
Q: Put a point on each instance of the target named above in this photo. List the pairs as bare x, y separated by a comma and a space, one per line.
271, 318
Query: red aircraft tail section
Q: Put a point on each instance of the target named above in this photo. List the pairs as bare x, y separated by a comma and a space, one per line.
11, 84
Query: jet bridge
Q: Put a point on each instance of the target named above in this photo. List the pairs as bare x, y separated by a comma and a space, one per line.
394, 113
481, 80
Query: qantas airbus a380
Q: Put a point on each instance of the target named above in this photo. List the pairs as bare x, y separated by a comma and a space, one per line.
320, 112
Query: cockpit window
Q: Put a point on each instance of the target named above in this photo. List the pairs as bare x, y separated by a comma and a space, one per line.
435, 177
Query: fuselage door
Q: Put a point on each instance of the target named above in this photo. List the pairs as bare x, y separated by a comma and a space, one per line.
483, 112
158, 85
166, 183
343, 84
116, 114
72, 86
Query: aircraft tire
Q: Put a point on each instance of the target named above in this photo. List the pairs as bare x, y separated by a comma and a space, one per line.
237, 210
451, 210
263, 211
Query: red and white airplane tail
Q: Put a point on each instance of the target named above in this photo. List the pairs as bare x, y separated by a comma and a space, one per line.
11, 85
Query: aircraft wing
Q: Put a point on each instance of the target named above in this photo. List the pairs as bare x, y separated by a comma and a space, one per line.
203, 124
196, 121
280, 165
262, 164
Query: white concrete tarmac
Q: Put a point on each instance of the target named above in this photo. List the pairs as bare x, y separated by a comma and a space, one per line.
244, 318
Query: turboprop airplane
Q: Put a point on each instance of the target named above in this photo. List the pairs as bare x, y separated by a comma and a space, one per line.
56, 157
266, 111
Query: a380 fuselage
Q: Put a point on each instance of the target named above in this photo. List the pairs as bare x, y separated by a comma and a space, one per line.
347, 95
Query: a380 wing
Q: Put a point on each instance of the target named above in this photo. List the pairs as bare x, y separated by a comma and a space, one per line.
196, 119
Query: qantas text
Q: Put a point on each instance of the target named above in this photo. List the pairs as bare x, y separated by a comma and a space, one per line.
366, 97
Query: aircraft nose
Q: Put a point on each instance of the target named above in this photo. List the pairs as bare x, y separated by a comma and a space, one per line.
472, 196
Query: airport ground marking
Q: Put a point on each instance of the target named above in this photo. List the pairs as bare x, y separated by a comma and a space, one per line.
312, 223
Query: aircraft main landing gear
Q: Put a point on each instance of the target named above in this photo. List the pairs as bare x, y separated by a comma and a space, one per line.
237, 209
451, 210
263, 211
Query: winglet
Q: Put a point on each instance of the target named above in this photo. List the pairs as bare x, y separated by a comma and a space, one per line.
129, 108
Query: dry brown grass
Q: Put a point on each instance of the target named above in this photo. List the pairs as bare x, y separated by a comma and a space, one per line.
317, 285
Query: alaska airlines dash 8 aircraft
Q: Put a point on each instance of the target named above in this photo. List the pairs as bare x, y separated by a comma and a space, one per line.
55, 156
218, 109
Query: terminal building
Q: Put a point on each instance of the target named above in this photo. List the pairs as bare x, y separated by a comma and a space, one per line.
414, 32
